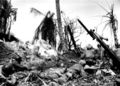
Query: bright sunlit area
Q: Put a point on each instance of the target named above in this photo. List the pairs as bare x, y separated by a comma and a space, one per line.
91, 12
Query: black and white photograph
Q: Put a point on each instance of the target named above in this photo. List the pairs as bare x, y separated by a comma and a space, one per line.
59, 42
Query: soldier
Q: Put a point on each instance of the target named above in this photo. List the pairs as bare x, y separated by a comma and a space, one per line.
13, 66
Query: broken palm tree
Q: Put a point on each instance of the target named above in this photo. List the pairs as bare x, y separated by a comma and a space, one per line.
46, 29
112, 22
7, 16
62, 43
72, 39
70, 31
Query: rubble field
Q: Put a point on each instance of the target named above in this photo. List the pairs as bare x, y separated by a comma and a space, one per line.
46, 67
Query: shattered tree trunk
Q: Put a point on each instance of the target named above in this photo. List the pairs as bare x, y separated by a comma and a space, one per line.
60, 31
7, 16
71, 36
38, 30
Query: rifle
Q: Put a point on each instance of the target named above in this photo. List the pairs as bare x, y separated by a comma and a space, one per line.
112, 55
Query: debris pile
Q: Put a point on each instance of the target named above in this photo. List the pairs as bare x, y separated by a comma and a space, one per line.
27, 66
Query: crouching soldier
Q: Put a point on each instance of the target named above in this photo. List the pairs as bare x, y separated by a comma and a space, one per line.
13, 66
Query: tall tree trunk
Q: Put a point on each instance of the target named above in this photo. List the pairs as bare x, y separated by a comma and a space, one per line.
60, 30
115, 36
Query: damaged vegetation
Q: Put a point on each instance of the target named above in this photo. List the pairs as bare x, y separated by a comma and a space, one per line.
47, 62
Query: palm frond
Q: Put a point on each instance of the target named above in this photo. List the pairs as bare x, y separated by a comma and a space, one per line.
105, 27
106, 16
107, 4
112, 22
102, 22
35, 11
102, 7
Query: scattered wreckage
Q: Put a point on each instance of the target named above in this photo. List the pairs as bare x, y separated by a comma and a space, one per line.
41, 65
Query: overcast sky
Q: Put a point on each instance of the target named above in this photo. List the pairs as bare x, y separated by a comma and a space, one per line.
87, 10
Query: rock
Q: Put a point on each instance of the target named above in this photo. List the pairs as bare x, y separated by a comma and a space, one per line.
42, 48
82, 62
108, 71
46, 49
70, 74
99, 72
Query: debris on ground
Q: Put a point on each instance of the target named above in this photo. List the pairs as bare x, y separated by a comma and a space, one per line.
26, 68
